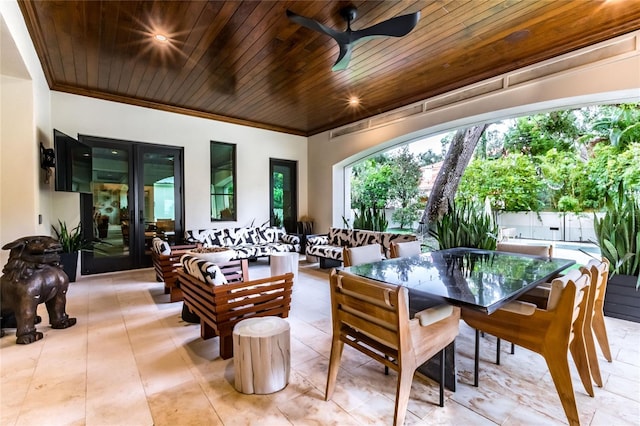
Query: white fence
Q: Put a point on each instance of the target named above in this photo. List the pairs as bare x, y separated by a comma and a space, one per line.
552, 226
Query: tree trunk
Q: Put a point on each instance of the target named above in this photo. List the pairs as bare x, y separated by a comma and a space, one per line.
455, 162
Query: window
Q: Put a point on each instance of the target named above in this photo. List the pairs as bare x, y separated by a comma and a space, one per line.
223, 181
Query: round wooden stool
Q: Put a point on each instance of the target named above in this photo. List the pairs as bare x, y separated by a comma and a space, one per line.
261, 355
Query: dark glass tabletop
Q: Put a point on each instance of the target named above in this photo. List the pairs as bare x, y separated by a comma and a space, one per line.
473, 278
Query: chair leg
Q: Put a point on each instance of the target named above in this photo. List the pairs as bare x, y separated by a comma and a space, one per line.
600, 331
476, 359
442, 360
559, 369
334, 366
226, 346
594, 365
513, 349
386, 368
405, 377
206, 331
579, 353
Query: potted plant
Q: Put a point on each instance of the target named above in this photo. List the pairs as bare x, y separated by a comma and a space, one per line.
467, 224
276, 219
72, 241
618, 234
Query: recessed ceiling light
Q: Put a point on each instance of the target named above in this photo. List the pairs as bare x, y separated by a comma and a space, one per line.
354, 101
161, 38
114, 152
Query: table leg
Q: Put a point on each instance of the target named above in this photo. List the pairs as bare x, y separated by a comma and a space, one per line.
432, 368
476, 359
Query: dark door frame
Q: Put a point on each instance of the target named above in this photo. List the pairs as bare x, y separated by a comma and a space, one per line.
290, 225
137, 257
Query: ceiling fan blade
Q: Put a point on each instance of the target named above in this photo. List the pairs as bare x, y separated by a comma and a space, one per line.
343, 58
315, 26
394, 27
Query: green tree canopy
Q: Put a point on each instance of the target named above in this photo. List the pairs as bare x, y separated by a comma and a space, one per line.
404, 186
511, 183
620, 124
537, 134
370, 183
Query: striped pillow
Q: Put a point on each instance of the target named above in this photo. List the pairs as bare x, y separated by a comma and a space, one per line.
160, 247
204, 271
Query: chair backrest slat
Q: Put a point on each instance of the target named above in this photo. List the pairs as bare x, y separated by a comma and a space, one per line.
235, 270
369, 307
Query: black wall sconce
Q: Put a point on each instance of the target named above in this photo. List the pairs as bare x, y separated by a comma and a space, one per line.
47, 161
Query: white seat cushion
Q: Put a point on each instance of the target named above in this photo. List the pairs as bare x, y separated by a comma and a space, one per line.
434, 314
519, 307
409, 248
365, 254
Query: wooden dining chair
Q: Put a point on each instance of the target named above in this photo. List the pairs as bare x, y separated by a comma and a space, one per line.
598, 325
373, 318
533, 250
594, 321
404, 249
352, 256
551, 332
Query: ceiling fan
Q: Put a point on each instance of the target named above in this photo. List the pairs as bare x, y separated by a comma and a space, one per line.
394, 27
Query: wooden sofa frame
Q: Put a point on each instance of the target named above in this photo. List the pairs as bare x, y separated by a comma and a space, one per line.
166, 266
220, 307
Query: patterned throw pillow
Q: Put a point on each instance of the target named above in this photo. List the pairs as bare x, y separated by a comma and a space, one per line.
160, 247
386, 239
290, 239
271, 235
361, 237
207, 237
340, 237
204, 271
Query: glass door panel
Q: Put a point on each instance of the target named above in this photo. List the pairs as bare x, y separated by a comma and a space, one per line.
109, 205
159, 193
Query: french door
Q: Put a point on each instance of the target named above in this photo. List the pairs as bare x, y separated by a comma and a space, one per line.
283, 198
136, 196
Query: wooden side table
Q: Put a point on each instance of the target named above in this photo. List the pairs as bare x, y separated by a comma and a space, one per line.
281, 263
262, 355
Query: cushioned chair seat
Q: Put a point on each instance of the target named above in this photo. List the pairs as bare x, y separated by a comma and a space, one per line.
328, 251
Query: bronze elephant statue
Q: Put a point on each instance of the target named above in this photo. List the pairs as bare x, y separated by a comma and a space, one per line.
33, 275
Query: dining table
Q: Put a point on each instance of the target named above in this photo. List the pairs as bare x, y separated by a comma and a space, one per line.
471, 278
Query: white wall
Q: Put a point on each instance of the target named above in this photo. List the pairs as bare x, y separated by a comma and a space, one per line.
602, 73
74, 115
24, 123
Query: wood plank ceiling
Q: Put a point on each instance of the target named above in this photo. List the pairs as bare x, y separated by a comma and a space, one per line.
245, 62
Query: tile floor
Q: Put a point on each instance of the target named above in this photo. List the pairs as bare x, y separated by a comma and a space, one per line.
130, 360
